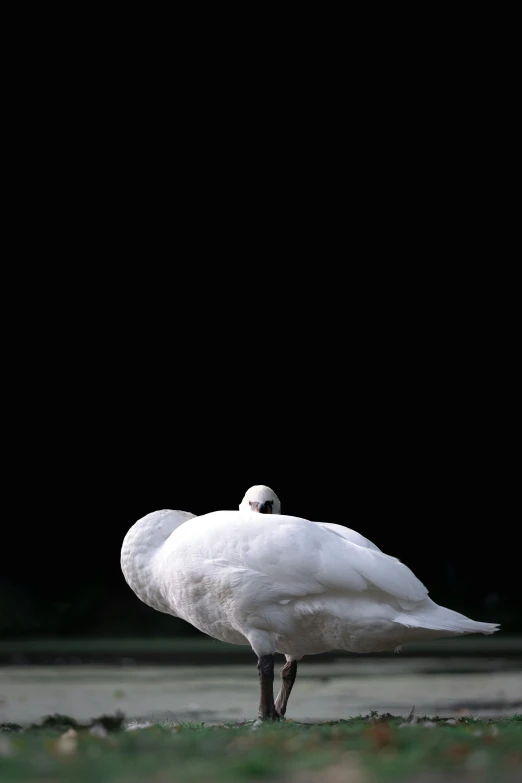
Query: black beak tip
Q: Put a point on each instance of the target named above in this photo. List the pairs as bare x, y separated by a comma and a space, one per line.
261, 508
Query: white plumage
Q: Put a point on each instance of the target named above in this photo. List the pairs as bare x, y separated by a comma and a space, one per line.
281, 583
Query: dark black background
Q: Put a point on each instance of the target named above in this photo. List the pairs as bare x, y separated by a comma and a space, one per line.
210, 288
389, 411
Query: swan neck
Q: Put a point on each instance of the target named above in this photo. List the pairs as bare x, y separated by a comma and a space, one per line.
140, 548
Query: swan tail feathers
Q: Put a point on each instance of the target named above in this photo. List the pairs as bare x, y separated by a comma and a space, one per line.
447, 621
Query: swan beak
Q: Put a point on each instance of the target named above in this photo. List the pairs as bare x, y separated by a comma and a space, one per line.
262, 508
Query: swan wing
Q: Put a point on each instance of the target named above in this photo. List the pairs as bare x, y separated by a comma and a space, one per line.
284, 557
349, 535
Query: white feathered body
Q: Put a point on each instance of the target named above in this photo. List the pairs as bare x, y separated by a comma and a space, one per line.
282, 583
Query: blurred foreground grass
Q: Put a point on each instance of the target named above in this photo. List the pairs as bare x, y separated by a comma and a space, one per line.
360, 750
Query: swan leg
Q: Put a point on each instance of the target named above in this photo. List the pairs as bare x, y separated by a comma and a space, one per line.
267, 710
288, 674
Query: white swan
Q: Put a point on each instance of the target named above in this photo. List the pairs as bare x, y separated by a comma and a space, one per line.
281, 584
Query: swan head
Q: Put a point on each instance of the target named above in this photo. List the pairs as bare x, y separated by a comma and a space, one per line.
261, 499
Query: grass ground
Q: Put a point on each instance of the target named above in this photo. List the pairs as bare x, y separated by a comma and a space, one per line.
203, 650
360, 750
496, 645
